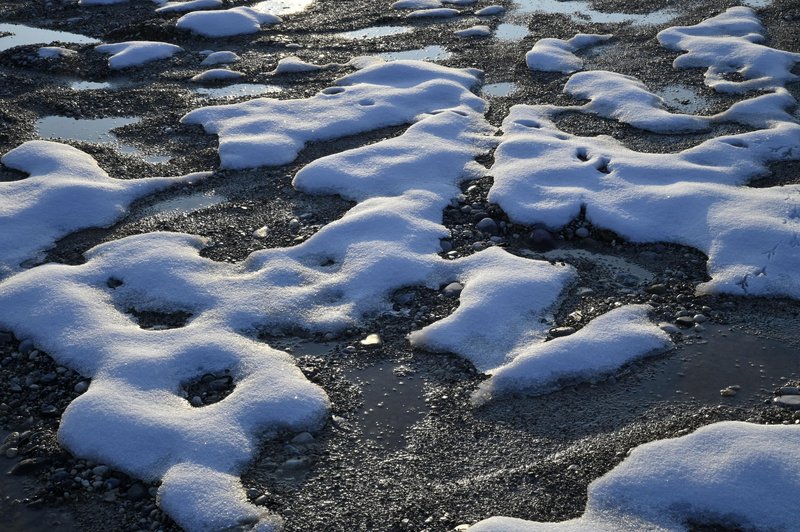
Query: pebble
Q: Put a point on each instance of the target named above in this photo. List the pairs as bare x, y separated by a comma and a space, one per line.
729, 391
81, 387
582, 232
100, 470
372, 340
12, 452
453, 289
685, 321
303, 438
136, 492
487, 225
261, 232
561, 331
788, 390
788, 401
658, 289
196, 401
699, 318
668, 328
542, 237
25, 347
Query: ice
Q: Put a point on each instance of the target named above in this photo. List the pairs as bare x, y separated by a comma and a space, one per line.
191, 5
226, 23
219, 58
557, 55
604, 345
734, 474
217, 74
269, 132
136, 53
731, 43
65, 191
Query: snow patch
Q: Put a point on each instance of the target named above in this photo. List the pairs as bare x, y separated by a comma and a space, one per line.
191, 5
226, 23
136, 53
557, 55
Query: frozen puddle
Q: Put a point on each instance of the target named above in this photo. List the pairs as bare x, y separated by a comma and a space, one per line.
581, 12
94, 130
237, 90
683, 99
393, 402
283, 7
183, 205
25, 35
499, 89
726, 358
373, 32
511, 32
433, 52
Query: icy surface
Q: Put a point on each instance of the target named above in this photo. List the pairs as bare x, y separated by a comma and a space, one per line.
66, 190
557, 55
270, 132
226, 23
731, 473
136, 53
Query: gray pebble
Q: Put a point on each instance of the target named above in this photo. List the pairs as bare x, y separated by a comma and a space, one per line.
487, 225
561, 331
453, 289
788, 401
81, 387
582, 232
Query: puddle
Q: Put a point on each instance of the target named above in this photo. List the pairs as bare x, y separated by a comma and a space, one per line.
94, 130
237, 90
499, 89
172, 207
511, 32
373, 32
579, 11
393, 402
433, 52
683, 98
16, 515
284, 7
725, 358
24, 35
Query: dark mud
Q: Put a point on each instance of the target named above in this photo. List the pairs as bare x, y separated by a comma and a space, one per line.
405, 449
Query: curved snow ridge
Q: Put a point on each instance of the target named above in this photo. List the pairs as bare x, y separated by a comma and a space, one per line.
731, 473
605, 344
270, 132
136, 53
190, 5
226, 22
730, 43
65, 191
694, 197
558, 55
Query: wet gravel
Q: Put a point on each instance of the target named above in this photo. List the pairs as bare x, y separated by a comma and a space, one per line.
423, 458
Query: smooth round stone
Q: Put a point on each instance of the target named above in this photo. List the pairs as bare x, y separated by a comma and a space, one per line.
699, 318
789, 390
81, 387
582, 232
487, 225
788, 401
453, 289
562, 331
658, 289
685, 321
668, 328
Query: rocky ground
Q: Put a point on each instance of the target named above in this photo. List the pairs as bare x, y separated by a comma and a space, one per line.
405, 449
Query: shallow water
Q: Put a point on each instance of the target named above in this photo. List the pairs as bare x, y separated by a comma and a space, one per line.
511, 32
429, 53
94, 130
580, 11
499, 89
683, 98
237, 90
24, 35
373, 32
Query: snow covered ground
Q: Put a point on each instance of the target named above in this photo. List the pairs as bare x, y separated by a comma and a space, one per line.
454, 197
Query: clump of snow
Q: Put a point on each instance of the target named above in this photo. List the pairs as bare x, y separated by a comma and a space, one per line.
475, 31
294, 64
442, 12
735, 474
489, 11
66, 190
53, 52
266, 131
730, 43
602, 346
557, 55
220, 58
226, 23
217, 74
191, 5
135, 53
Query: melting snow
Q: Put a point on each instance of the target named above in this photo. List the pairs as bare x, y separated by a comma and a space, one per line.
226, 23
556, 55
136, 53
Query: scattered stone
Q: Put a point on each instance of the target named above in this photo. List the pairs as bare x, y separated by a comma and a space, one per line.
30, 466
373, 340
699, 318
81, 387
487, 225
668, 328
685, 321
582, 232
136, 492
788, 390
558, 332
658, 289
261, 232
788, 401
729, 391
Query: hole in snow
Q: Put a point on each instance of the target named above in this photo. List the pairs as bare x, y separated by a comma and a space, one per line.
333, 90
327, 262
602, 165
113, 282
529, 123
210, 388
736, 143
156, 320
366, 102
582, 154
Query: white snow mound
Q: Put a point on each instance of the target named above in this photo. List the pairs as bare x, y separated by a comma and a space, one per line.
226, 23
135, 53
557, 55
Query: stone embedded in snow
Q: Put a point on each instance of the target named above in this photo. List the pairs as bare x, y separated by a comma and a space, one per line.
557, 55
489, 11
730, 43
442, 12
52, 52
294, 64
475, 31
605, 344
220, 58
66, 191
191, 5
266, 131
736, 474
217, 74
226, 23
135, 53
